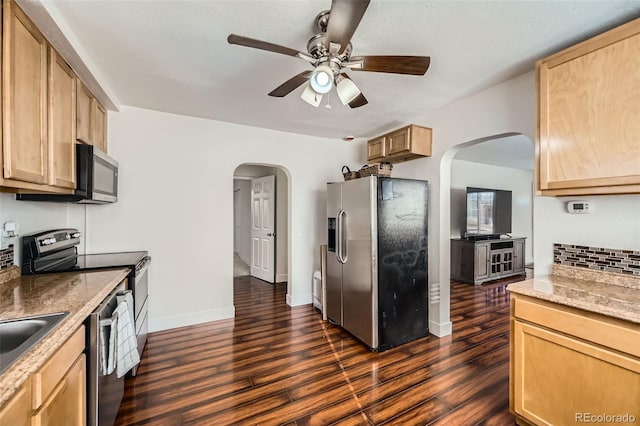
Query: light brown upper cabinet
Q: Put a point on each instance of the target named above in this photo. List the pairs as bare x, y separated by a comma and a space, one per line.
37, 139
376, 149
99, 125
400, 145
62, 122
588, 136
84, 132
24, 86
91, 119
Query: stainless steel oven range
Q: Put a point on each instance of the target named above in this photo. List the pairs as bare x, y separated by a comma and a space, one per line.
56, 251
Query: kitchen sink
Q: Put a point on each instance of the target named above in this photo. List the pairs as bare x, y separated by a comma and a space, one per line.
18, 335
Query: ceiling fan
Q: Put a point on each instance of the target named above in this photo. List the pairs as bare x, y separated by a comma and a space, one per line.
329, 52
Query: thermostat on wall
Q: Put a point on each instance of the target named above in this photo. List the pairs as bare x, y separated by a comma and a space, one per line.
579, 207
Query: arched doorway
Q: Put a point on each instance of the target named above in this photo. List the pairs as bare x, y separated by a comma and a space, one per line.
244, 250
503, 161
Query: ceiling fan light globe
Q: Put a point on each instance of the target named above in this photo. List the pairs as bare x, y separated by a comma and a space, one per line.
322, 79
311, 97
347, 90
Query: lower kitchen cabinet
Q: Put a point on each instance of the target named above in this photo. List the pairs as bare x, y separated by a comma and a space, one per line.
17, 412
59, 387
567, 364
66, 404
55, 395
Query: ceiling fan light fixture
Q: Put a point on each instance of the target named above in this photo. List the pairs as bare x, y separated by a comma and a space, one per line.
347, 89
322, 79
311, 97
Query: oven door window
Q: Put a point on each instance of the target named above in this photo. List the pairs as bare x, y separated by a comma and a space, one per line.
105, 178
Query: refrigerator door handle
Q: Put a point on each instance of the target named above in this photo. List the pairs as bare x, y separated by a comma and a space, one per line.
339, 235
343, 239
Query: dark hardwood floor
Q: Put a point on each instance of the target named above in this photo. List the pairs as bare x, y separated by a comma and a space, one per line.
274, 364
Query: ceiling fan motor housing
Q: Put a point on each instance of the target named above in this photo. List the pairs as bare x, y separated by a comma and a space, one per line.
316, 48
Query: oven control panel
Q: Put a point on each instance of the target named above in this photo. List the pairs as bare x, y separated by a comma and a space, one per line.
50, 241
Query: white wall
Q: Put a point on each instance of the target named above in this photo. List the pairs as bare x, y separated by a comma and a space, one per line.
466, 173
614, 223
176, 200
32, 216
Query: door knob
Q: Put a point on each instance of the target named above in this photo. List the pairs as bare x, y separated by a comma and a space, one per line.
271, 234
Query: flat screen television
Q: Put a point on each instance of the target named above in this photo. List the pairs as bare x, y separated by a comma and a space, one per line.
488, 213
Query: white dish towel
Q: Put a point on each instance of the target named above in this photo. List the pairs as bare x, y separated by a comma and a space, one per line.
123, 346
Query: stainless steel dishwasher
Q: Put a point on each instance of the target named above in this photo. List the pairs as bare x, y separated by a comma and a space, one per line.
104, 391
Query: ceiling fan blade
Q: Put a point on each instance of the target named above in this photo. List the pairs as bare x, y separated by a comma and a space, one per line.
344, 17
414, 65
359, 101
263, 45
290, 85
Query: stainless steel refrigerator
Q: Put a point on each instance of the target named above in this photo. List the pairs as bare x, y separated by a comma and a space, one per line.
377, 259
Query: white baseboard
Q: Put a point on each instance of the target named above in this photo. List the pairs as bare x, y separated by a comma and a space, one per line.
440, 329
302, 299
191, 318
281, 278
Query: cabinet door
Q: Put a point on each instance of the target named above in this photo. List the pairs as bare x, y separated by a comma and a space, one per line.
399, 142
518, 256
556, 378
481, 261
17, 412
66, 404
24, 89
62, 122
588, 114
376, 149
84, 130
99, 125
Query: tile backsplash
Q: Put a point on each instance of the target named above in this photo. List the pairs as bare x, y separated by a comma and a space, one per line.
6, 257
603, 259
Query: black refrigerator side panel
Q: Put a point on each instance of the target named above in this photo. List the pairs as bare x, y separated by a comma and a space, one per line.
402, 267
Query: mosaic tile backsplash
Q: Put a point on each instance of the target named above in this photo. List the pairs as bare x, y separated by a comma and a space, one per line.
6, 257
603, 259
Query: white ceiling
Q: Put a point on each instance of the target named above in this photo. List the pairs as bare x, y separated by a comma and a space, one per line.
173, 56
513, 151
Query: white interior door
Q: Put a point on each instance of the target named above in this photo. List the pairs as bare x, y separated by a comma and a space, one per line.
263, 212
237, 222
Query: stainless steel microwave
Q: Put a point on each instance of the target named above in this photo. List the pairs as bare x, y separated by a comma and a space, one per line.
96, 179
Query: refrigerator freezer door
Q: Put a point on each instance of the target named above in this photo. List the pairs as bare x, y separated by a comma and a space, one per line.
359, 282
402, 250
334, 267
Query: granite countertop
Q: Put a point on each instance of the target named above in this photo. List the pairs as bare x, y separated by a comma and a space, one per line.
609, 294
76, 292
